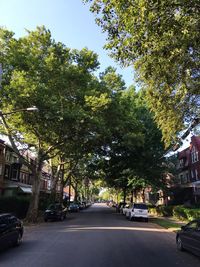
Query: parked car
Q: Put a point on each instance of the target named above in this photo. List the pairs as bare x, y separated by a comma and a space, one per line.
81, 205
120, 207
11, 230
126, 209
138, 210
55, 211
73, 207
188, 238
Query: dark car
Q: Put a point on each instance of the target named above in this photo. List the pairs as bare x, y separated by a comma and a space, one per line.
11, 231
188, 238
55, 211
120, 206
73, 207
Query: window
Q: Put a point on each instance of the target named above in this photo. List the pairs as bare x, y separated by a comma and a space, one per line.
14, 175
7, 156
196, 174
140, 206
187, 177
192, 225
181, 163
1, 169
192, 175
194, 155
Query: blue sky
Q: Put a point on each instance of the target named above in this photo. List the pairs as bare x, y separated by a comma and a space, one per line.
69, 21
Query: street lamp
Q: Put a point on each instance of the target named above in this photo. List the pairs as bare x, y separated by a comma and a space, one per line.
30, 109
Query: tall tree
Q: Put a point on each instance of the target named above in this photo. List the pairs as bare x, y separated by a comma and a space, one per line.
161, 40
37, 71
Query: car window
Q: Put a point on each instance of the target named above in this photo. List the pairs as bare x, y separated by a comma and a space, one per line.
198, 226
12, 220
140, 206
192, 225
51, 207
4, 220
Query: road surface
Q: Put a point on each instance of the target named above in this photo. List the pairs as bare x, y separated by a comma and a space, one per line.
97, 237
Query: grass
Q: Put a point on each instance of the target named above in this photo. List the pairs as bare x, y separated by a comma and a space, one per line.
173, 226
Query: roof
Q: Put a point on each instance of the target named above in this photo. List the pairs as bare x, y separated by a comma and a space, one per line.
195, 141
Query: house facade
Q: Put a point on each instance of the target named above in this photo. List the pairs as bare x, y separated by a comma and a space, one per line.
189, 171
2, 164
15, 177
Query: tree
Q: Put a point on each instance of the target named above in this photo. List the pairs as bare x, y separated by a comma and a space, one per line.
161, 40
37, 71
132, 156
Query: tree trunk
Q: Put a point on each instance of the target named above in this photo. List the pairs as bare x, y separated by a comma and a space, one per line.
32, 214
76, 192
62, 183
54, 183
143, 195
124, 195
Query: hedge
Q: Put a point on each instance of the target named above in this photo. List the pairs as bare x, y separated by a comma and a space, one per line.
164, 211
18, 206
179, 212
182, 213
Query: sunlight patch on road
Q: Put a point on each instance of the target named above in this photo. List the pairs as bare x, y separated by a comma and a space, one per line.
75, 229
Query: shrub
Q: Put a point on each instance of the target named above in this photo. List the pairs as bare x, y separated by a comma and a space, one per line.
15, 205
183, 213
162, 211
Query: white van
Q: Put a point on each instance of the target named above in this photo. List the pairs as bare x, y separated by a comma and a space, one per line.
139, 210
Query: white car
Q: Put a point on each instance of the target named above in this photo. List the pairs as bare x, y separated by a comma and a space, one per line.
125, 209
138, 210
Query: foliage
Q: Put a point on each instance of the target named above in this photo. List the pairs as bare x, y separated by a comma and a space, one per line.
179, 212
183, 213
133, 155
15, 205
161, 40
164, 211
37, 71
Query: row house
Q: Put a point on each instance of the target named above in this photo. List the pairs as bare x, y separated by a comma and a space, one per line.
15, 177
2, 164
189, 170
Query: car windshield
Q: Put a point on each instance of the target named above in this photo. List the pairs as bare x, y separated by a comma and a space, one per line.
140, 206
54, 206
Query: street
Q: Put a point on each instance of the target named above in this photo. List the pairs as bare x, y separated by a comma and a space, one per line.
97, 237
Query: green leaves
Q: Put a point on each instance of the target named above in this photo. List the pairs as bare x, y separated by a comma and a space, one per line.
161, 40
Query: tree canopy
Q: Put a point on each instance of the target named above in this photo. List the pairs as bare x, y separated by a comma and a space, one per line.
161, 40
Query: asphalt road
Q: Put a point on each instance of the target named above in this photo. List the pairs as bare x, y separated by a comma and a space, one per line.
97, 237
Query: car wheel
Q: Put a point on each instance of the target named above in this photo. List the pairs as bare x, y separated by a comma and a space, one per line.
45, 219
18, 241
179, 244
146, 219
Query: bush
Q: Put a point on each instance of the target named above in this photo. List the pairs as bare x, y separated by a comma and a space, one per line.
15, 205
182, 213
164, 211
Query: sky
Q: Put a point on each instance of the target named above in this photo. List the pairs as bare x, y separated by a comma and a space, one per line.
69, 21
